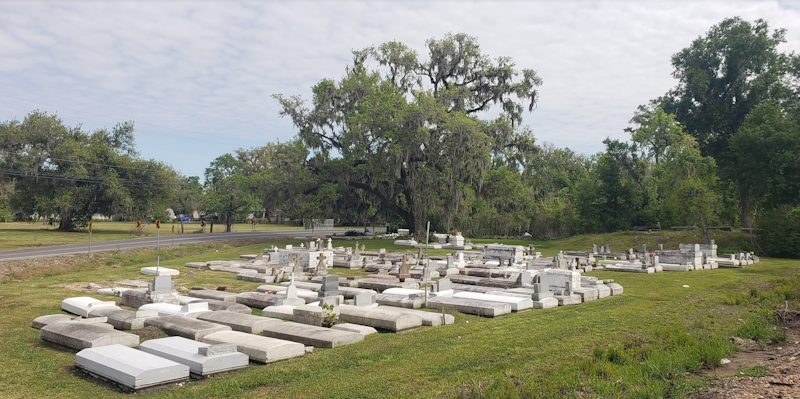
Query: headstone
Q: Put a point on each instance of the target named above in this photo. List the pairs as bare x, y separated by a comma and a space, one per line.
357, 250
404, 273
365, 299
594, 248
444, 285
660, 247
330, 244
330, 286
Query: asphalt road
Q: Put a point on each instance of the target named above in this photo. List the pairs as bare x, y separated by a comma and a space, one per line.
151, 242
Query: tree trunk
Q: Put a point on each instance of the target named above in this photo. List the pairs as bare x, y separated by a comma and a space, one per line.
228, 222
745, 213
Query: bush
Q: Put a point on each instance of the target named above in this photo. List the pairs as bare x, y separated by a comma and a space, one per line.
780, 232
354, 233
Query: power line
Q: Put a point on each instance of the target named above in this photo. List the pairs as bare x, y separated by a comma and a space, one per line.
45, 175
7, 153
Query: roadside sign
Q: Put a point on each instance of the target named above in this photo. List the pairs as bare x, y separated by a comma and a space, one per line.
90, 227
158, 224
202, 223
173, 229
138, 224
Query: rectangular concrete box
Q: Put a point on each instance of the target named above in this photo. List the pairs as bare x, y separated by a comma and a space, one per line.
430, 319
186, 351
158, 271
283, 312
258, 348
471, 306
213, 294
517, 304
185, 327
222, 305
245, 323
123, 319
82, 305
167, 309
259, 299
377, 318
380, 284
130, 367
78, 335
320, 337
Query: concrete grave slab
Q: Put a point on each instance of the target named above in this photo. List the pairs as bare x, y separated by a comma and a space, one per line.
400, 301
283, 312
130, 368
471, 306
429, 319
259, 299
517, 304
212, 360
123, 319
223, 306
185, 327
82, 305
356, 328
189, 310
258, 348
319, 337
42, 321
239, 322
213, 294
159, 271
79, 335
377, 318
545, 303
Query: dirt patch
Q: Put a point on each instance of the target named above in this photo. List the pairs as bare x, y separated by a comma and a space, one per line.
778, 364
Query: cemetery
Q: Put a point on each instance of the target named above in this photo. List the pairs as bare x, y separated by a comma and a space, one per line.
297, 302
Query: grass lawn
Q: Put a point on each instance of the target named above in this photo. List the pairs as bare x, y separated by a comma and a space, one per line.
623, 346
21, 235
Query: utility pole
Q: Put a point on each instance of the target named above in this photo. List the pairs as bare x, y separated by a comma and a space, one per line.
90, 241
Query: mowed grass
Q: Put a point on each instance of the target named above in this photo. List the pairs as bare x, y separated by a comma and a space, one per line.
23, 235
542, 353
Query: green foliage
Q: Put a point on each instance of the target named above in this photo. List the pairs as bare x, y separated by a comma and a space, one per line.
228, 191
331, 317
762, 327
780, 232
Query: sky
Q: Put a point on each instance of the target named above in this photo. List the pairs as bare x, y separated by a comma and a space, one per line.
197, 78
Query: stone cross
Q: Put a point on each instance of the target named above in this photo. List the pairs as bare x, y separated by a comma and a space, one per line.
321, 265
404, 272
363, 247
330, 243
302, 245
357, 250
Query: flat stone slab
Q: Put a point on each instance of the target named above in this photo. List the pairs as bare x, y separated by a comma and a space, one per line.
615, 288
185, 327
566, 300
82, 305
283, 312
377, 318
188, 352
587, 294
123, 319
161, 271
545, 303
131, 368
471, 306
197, 265
79, 335
380, 284
259, 299
517, 304
472, 288
246, 323
167, 309
224, 306
256, 278
400, 301
213, 294
430, 319
42, 321
258, 348
356, 328
320, 337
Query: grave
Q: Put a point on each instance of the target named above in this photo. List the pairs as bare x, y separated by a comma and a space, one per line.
377, 318
190, 310
123, 319
130, 368
185, 327
400, 301
42, 321
80, 335
381, 284
429, 319
213, 294
203, 359
259, 299
517, 304
250, 324
313, 315
471, 306
222, 305
279, 312
82, 305
319, 337
356, 328
159, 271
258, 348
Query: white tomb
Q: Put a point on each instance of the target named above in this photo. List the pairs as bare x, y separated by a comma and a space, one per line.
82, 305
130, 367
203, 359
191, 309
158, 271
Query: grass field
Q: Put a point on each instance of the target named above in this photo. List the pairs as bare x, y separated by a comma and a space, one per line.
640, 344
21, 235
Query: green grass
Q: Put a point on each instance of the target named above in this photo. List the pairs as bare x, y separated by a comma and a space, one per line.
22, 235
640, 344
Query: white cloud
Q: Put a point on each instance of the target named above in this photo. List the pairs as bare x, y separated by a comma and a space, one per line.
197, 77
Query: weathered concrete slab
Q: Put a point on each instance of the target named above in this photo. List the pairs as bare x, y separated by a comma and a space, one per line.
189, 310
213, 360
197, 265
356, 328
42, 321
615, 288
283, 312
185, 327
377, 318
256, 277
517, 304
471, 306
400, 301
239, 322
258, 348
129, 367
566, 300
587, 294
430, 319
82, 305
214, 294
545, 303
78, 335
380, 284
472, 288
159, 271
319, 337
299, 284
123, 319
259, 299
313, 315
224, 306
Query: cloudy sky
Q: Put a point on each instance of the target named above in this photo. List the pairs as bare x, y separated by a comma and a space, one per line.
197, 77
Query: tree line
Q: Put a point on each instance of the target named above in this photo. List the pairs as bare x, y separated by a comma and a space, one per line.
400, 138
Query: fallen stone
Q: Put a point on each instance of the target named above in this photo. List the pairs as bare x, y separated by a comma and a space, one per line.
78, 335
190, 310
587, 294
130, 368
42, 321
319, 337
185, 327
212, 360
380, 284
615, 288
566, 300
238, 322
400, 301
258, 348
430, 319
224, 306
